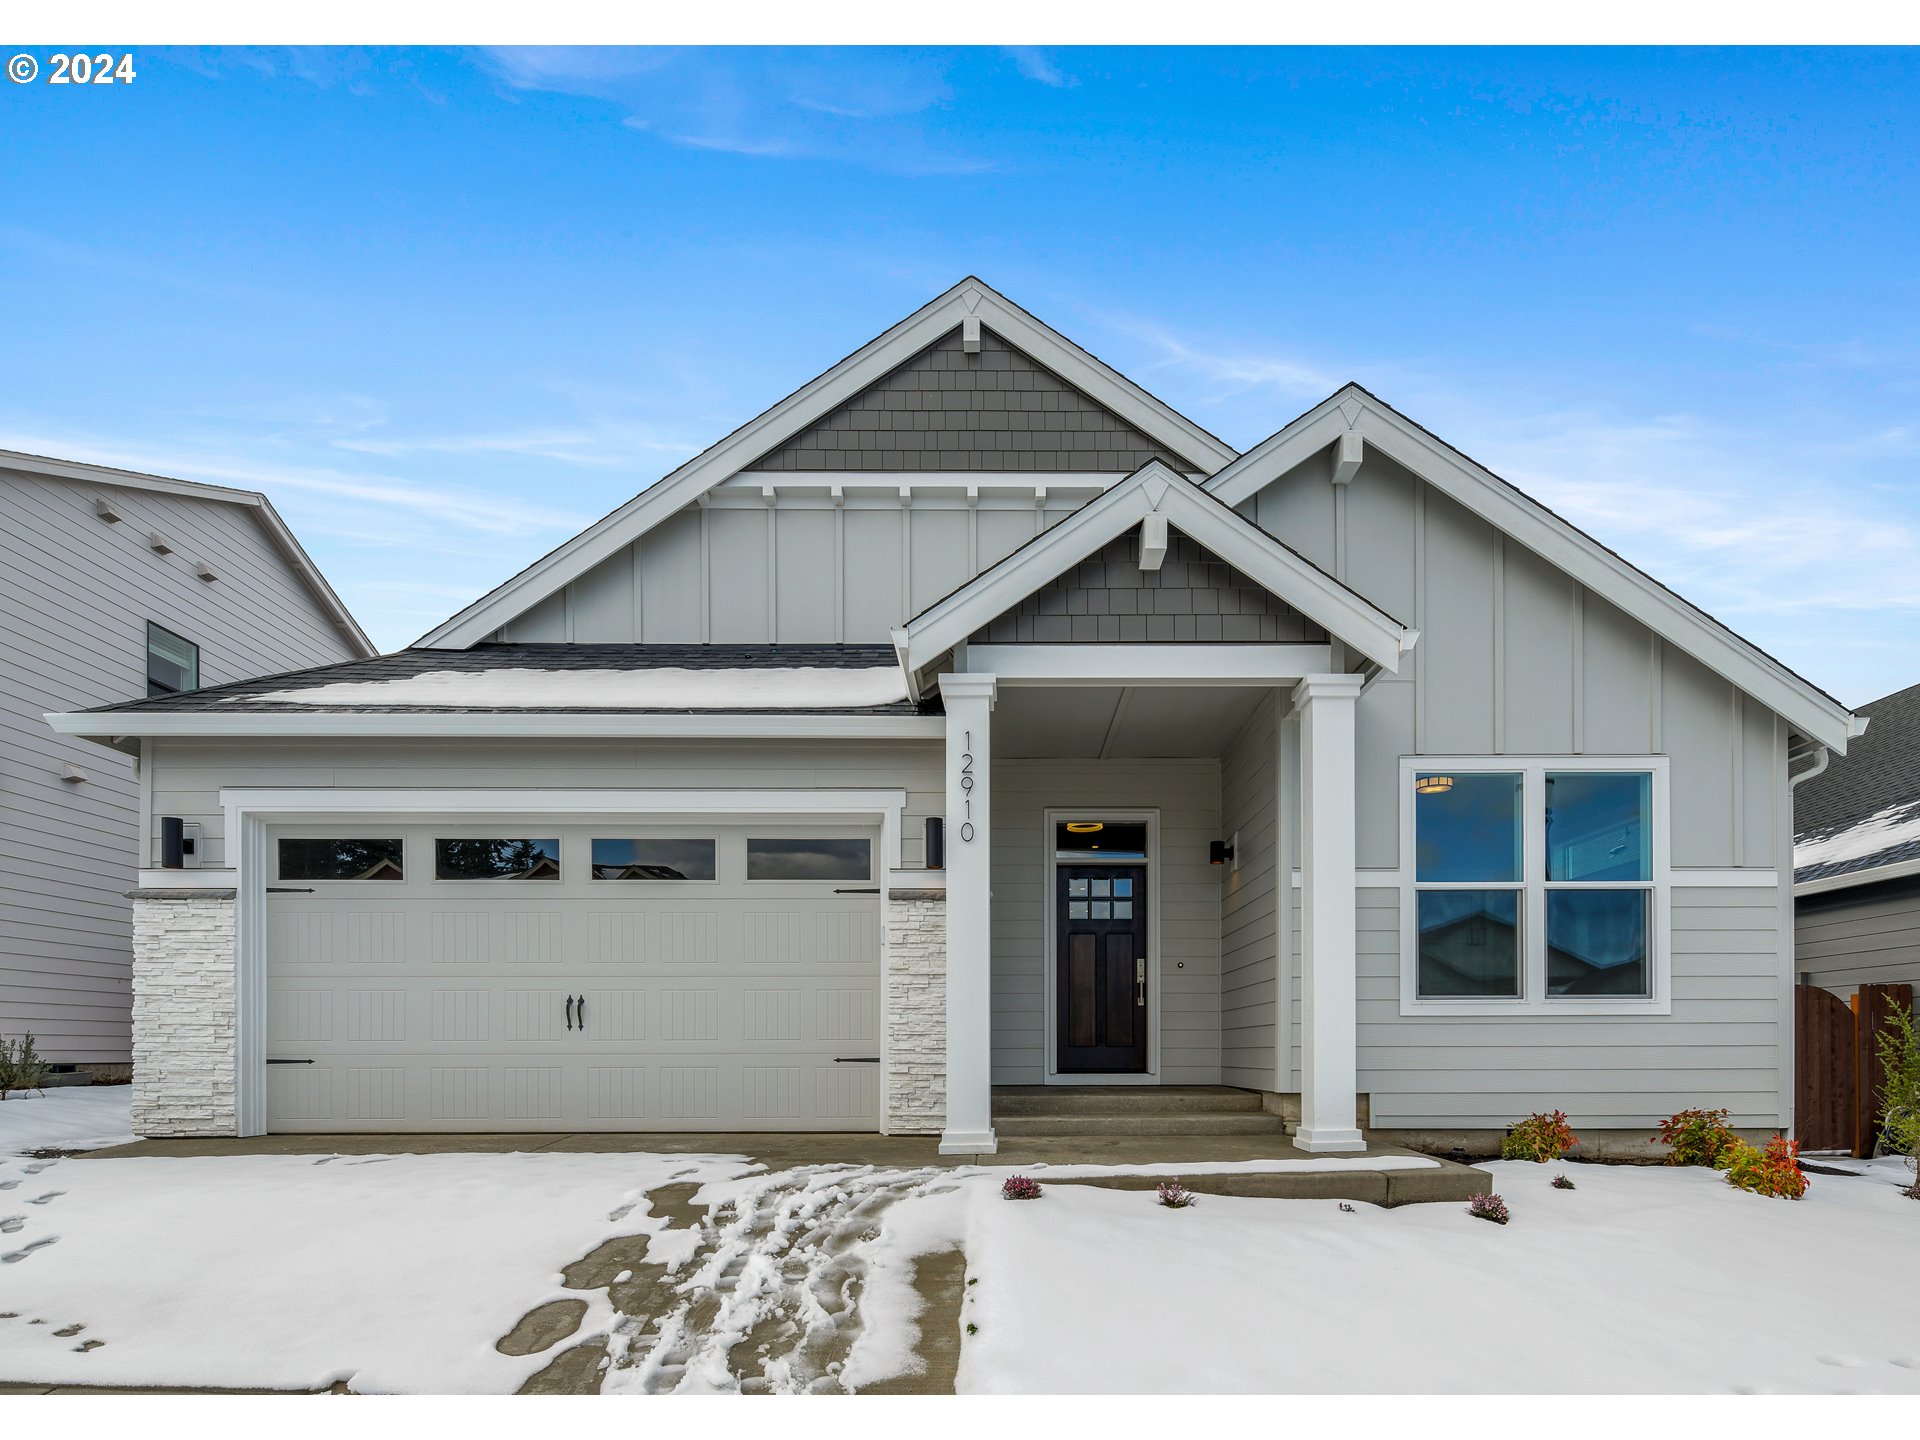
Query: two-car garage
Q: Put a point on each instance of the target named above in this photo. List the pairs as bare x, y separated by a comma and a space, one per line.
533, 974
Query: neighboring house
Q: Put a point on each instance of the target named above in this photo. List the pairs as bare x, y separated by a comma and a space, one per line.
115, 585
1857, 857
1225, 747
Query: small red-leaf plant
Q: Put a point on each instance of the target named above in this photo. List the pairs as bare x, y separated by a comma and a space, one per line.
1696, 1137
1020, 1187
1174, 1195
1539, 1138
1487, 1207
1773, 1171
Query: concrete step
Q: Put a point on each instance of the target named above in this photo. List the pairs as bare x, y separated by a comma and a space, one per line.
1123, 1100
1197, 1123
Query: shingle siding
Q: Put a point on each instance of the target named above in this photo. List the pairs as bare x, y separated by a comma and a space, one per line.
1193, 597
947, 410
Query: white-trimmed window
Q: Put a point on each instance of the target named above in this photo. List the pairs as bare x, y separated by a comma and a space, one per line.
1534, 886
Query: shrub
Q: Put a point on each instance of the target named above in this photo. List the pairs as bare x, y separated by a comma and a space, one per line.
21, 1067
1561, 1182
1019, 1187
1773, 1171
1899, 1046
1696, 1137
1487, 1207
1539, 1138
1174, 1195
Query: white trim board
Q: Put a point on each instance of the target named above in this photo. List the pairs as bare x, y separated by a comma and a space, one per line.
114, 725
249, 812
1174, 664
1826, 884
819, 397
1352, 409
1154, 489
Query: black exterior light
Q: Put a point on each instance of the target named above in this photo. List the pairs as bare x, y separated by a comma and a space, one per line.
1219, 852
936, 843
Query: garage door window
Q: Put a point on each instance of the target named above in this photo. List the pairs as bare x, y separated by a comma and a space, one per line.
496, 859
342, 859
653, 860
809, 859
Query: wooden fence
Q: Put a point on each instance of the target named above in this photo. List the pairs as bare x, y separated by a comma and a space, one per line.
1837, 1090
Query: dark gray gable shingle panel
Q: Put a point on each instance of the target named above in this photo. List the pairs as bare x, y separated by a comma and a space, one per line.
1194, 597
243, 696
946, 410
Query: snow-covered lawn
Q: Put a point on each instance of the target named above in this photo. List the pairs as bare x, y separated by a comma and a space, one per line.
399, 1273
70, 1117
1640, 1279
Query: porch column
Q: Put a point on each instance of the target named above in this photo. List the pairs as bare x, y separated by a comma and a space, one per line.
969, 702
1329, 1074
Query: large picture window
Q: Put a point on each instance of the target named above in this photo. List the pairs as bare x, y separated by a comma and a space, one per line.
1533, 886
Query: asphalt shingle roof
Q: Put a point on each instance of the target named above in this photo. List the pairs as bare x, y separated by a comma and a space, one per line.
250, 695
1878, 776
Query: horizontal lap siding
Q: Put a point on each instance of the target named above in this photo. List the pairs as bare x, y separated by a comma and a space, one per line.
1871, 936
1187, 795
76, 594
1249, 915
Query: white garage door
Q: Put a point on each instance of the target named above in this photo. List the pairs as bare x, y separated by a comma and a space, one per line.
533, 976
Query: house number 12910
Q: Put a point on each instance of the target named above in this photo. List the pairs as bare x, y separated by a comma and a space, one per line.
966, 789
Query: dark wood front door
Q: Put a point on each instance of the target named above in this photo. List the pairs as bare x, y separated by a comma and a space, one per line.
1100, 978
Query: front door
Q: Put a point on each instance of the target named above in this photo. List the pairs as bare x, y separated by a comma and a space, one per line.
1101, 969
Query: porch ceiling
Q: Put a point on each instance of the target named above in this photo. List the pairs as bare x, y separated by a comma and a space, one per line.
1136, 722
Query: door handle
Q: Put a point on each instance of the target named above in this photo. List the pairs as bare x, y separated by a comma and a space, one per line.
1140, 980
580, 1013
569, 1012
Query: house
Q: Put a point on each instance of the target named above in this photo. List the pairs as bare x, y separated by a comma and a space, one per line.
1857, 857
998, 725
115, 585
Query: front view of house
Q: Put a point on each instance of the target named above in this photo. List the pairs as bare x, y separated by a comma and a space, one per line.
971, 718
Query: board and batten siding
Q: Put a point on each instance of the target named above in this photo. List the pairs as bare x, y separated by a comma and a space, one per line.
1868, 935
76, 593
1251, 905
190, 773
1186, 793
1515, 658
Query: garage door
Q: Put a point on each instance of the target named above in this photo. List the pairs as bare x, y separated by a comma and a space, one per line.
528, 976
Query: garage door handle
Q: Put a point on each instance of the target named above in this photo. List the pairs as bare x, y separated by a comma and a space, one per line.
580, 1013
856, 1059
870, 890
289, 890
569, 1012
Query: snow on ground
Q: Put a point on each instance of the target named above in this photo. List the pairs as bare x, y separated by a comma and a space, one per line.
1896, 824
68, 1117
1641, 1279
665, 688
397, 1273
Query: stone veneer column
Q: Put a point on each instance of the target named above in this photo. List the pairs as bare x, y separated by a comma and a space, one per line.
914, 1001
185, 1013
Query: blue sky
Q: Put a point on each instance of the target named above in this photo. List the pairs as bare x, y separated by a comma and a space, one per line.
448, 306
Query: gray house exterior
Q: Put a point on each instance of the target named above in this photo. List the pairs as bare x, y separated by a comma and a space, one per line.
1857, 860
90, 559
1338, 770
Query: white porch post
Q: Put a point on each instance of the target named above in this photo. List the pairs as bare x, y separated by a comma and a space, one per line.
969, 1123
1329, 1075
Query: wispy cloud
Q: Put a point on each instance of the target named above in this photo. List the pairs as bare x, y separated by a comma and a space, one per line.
1226, 369
1036, 64
574, 447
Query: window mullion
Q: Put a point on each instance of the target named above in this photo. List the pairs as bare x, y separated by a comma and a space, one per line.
1533, 929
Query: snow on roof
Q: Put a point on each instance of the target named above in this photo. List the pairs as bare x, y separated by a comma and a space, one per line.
1891, 828
651, 689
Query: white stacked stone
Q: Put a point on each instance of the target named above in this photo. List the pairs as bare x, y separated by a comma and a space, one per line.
185, 1017
915, 1006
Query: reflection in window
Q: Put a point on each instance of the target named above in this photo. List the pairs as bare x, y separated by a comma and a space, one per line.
1100, 839
496, 859
1597, 826
809, 859
1469, 944
1470, 831
333, 859
173, 663
1597, 942
653, 859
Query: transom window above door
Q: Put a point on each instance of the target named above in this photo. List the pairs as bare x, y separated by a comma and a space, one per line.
1102, 841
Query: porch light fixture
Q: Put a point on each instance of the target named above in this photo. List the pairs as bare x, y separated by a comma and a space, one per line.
1219, 852
1433, 784
1085, 827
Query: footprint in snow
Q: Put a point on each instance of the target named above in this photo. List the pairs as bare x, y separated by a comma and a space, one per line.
86, 1345
1906, 1362
68, 1332
12, 1223
326, 1159
1844, 1362
36, 1169
43, 1199
14, 1257
11, 1184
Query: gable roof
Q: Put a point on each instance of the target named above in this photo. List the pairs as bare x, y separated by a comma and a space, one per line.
818, 398
1154, 489
1861, 815
291, 551
1354, 411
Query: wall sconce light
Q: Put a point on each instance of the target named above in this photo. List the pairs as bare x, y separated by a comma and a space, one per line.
1085, 827
936, 843
1432, 784
1219, 852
